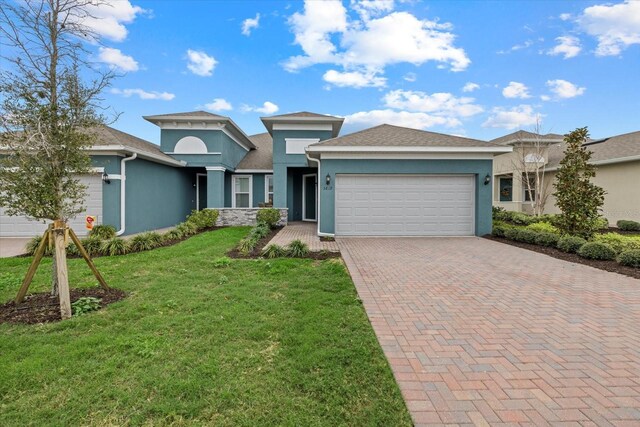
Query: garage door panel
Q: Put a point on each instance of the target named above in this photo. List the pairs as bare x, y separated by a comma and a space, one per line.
17, 226
420, 205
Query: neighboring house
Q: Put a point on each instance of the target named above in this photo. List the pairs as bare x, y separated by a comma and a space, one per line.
386, 180
618, 171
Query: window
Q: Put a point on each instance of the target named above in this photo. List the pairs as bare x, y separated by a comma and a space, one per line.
529, 195
242, 191
506, 189
268, 189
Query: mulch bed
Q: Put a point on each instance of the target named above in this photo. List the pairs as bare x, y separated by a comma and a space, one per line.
43, 308
257, 251
611, 266
617, 230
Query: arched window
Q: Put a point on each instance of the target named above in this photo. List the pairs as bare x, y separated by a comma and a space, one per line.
190, 145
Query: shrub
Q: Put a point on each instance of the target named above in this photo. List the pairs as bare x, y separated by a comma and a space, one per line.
520, 218
274, 251
547, 239
103, 232
630, 258
72, 249
260, 231
627, 225
222, 262
145, 241
187, 228
92, 245
174, 234
85, 305
32, 246
570, 243
596, 250
543, 227
601, 223
499, 229
114, 246
511, 233
203, 219
618, 242
247, 245
298, 249
269, 216
521, 235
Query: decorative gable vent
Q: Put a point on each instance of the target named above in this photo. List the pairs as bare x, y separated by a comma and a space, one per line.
190, 145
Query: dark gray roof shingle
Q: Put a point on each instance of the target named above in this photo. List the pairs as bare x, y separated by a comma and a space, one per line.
397, 136
106, 135
262, 157
524, 136
615, 147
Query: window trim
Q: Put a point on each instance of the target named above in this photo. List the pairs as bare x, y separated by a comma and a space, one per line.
266, 188
233, 190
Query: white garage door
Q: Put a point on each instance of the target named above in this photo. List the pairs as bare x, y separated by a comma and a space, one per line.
17, 226
405, 205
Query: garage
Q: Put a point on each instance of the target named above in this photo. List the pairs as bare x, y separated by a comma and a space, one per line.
404, 205
16, 226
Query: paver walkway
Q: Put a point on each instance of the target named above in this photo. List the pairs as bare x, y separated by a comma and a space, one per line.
305, 231
479, 332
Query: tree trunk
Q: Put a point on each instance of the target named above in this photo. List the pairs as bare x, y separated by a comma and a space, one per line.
61, 269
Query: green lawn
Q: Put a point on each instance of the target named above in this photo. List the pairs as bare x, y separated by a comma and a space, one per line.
257, 342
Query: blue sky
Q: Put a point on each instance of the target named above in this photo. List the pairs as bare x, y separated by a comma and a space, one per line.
480, 69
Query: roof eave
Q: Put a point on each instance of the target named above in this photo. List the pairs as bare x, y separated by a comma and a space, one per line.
336, 122
406, 149
158, 158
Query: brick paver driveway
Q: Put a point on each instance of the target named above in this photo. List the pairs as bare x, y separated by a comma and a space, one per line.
482, 333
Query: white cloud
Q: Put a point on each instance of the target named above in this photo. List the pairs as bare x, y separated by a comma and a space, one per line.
410, 77
219, 104
516, 47
372, 42
439, 104
415, 120
616, 26
470, 87
564, 89
513, 118
116, 59
267, 108
142, 94
355, 79
107, 20
200, 63
249, 24
545, 97
369, 8
569, 46
565, 16
516, 90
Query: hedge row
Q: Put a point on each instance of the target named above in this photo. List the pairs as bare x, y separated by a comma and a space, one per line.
103, 241
610, 246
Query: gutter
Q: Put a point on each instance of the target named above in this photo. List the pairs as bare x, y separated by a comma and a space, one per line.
123, 186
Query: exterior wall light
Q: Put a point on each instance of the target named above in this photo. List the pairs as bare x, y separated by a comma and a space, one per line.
487, 179
105, 178
328, 179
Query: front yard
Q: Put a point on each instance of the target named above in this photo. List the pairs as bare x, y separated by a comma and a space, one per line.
238, 342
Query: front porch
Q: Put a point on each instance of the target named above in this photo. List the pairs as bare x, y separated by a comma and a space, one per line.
306, 232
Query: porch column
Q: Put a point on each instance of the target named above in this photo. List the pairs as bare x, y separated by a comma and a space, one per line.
215, 187
279, 186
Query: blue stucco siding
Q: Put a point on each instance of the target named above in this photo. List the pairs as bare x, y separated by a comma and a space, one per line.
479, 168
282, 183
111, 191
157, 195
216, 141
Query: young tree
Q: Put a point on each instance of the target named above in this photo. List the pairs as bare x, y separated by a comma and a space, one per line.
529, 162
48, 109
577, 197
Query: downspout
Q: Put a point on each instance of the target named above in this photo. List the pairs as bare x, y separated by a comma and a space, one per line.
306, 153
123, 181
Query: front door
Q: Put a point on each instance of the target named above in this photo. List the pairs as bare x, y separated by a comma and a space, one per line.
309, 197
201, 189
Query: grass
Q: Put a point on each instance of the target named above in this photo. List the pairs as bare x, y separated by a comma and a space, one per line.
245, 342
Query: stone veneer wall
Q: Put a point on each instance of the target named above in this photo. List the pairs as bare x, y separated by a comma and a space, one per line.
245, 216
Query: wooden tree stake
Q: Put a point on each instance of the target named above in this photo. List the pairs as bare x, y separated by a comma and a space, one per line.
63, 276
88, 260
34, 266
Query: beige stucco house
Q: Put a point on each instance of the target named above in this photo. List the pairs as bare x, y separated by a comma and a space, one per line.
618, 171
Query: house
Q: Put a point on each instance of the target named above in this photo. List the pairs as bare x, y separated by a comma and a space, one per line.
386, 180
618, 170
